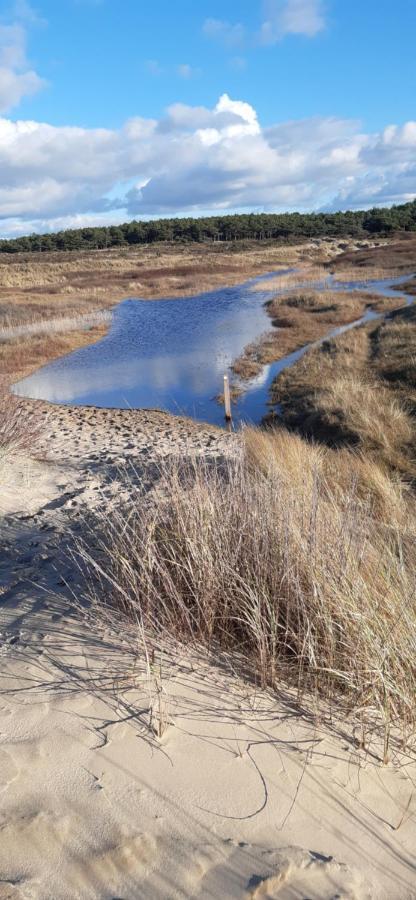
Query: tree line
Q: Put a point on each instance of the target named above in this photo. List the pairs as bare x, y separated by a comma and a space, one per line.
250, 226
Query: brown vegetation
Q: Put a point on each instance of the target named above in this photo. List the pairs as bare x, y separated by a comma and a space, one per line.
22, 355
359, 389
394, 256
44, 286
303, 318
69, 283
309, 314
20, 426
296, 561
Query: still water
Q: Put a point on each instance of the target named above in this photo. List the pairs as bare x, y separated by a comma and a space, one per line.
172, 354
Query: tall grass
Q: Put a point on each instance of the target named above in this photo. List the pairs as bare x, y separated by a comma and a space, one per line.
358, 389
20, 427
366, 273
39, 326
301, 567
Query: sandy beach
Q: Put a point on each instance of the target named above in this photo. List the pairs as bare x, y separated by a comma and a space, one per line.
245, 794
207, 450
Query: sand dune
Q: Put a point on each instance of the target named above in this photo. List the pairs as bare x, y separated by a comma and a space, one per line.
245, 795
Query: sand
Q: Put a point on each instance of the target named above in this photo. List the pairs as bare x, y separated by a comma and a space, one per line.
244, 795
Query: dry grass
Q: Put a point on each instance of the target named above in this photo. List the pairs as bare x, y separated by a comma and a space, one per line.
51, 286
62, 281
365, 274
409, 286
358, 389
395, 256
320, 275
282, 559
305, 317
394, 353
305, 275
20, 428
54, 285
21, 356
312, 310
12, 331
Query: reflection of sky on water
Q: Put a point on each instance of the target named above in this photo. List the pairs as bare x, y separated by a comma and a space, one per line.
169, 354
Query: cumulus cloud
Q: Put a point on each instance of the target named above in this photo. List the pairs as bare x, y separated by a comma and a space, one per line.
196, 160
17, 79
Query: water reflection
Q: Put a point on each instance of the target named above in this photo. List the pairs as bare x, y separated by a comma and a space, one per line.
172, 354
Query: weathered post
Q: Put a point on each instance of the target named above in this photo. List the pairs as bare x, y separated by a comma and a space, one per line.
227, 398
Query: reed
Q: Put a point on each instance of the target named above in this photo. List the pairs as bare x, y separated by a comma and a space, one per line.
40, 326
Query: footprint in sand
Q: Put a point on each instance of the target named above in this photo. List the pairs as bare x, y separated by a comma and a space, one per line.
254, 873
134, 856
302, 873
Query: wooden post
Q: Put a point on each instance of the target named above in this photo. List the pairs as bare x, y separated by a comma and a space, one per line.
227, 398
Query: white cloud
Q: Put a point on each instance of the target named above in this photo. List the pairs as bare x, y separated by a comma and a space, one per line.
16, 85
17, 79
279, 18
227, 33
197, 160
283, 17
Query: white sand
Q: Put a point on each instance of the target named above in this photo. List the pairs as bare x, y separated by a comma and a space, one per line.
243, 796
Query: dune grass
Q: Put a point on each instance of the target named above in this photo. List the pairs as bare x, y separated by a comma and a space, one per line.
50, 326
359, 389
20, 427
88, 280
54, 287
305, 316
295, 561
27, 346
365, 273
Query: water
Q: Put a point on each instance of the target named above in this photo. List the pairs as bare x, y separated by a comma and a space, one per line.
172, 354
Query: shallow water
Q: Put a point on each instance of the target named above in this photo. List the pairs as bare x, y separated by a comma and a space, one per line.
172, 354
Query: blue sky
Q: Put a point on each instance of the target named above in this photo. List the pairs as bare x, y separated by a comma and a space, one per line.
113, 109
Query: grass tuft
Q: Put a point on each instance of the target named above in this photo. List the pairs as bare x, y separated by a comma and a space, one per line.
299, 566
20, 428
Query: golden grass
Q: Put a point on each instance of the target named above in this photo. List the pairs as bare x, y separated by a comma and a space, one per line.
305, 317
49, 326
358, 389
394, 351
296, 562
20, 427
24, 354
365, 274
306, 274
103, 277
52, 285
394, 256
47, 286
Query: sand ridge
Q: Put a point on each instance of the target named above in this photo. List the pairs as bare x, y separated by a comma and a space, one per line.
244, 795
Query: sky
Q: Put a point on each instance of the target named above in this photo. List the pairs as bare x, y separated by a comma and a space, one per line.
118, 109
